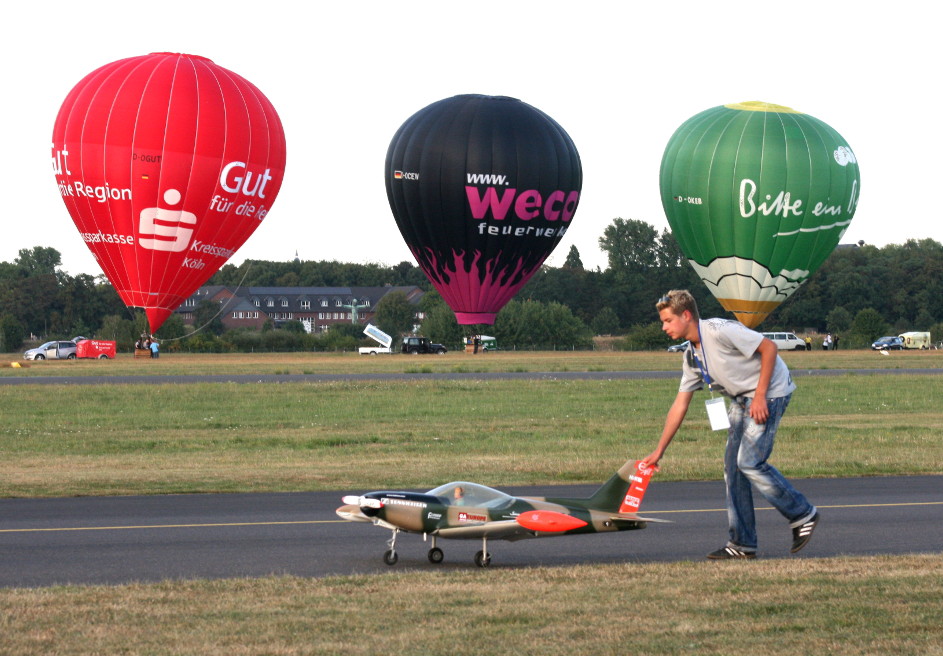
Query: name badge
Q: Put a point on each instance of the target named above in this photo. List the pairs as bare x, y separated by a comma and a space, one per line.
717, 413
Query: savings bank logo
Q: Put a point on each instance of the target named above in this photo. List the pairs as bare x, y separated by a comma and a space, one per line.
165, 229
405, 175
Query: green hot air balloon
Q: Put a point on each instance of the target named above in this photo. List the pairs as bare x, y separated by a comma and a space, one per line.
758, 196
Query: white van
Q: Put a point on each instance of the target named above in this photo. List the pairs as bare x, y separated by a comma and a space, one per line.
786, 341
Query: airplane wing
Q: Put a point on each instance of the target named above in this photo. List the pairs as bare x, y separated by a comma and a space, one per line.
504, 530
530, 524
632, 517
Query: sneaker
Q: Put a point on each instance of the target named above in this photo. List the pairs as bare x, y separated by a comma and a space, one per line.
803, 533
731, 553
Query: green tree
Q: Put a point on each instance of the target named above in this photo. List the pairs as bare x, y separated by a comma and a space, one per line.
35, 300
406, 274
936, 334
630, 245
171, 333
669, 254
646, 337
866, 327
534, 325
573, 260
208, 318
203, 342
39, 260
12, 334
440, 325
838, 320
281, 340
395, 315
341, 337
294, 326
353, 331
121, 330
288, 279
923, 320
606, 322
576, 288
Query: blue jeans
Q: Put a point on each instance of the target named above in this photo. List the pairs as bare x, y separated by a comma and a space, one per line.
749, 445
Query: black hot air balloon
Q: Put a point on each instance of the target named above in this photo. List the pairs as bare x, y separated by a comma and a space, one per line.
482, 188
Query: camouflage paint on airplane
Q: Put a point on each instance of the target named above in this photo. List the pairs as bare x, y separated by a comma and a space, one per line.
482, 189
471, 511
757, 196
167, 163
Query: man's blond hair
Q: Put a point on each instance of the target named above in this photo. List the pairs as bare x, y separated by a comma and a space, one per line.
679, 300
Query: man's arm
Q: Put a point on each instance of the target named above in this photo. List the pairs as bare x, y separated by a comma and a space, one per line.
673, 422
768, 352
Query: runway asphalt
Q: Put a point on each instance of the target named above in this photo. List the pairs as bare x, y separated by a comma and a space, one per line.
113, 540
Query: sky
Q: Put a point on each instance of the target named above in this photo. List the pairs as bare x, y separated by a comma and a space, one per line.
619, 76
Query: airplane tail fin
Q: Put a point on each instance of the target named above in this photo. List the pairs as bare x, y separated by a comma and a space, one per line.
623, 493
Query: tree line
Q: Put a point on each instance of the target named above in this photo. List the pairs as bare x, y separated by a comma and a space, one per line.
861, 292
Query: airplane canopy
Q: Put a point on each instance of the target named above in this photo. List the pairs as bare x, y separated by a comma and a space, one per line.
461, 493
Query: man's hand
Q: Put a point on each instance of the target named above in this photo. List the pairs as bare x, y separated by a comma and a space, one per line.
651, 460
759, 411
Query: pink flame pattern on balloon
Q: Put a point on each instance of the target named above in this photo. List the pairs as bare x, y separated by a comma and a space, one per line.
485, 292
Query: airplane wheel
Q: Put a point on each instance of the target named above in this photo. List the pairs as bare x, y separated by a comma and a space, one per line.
436, 555
482, 559
390, 557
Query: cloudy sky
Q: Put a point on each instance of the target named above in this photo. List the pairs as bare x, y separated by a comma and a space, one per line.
619, 76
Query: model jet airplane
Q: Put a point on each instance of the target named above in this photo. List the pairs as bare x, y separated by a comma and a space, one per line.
471, 511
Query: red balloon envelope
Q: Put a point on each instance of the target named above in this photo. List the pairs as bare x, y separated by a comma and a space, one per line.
482, 188
167, 163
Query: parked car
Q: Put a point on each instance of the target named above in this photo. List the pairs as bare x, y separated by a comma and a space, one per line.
54, 350
422, 345
786, 341
889, 343
677, 348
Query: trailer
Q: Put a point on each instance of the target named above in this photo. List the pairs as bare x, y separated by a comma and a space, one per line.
480, 344
379, 337
96, 348
915, 340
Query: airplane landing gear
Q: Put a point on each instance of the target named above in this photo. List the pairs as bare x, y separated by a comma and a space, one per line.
483, 558
435, 554
390, 557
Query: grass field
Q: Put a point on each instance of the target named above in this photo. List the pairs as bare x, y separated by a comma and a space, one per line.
876, 605
61, 440
159, 438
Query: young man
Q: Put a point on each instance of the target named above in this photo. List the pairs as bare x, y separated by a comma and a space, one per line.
744, 367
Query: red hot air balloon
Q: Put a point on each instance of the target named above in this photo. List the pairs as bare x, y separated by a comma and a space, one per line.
167, 163
482, 188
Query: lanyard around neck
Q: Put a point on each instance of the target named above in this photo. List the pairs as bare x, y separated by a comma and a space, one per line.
697, 361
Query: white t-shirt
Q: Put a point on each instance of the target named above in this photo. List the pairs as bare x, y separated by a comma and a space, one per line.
728, 356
